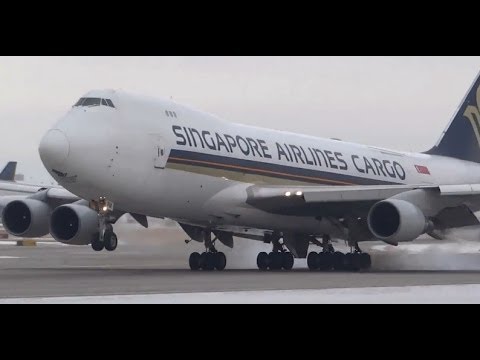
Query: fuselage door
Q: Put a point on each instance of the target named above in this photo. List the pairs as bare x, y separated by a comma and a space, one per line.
160, 152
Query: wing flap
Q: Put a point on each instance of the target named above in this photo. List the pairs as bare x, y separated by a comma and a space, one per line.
459, 190
355, 193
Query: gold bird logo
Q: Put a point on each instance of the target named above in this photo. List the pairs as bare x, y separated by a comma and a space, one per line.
472, 113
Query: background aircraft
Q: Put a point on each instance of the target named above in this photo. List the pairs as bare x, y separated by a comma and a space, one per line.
8, 172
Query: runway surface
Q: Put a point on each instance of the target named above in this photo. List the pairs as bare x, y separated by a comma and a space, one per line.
157, 264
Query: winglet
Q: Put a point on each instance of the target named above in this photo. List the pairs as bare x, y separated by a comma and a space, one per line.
8, 172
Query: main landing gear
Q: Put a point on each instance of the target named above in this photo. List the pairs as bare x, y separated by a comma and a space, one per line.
329, 259
275, 261
106, 238
278, 259
211, 259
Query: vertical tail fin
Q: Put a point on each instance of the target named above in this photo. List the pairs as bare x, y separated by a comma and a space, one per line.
8, 172
461, 139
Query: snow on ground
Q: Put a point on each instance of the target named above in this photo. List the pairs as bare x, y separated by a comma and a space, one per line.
380, 295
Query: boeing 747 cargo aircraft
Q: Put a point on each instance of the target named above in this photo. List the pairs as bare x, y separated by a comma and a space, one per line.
118, 153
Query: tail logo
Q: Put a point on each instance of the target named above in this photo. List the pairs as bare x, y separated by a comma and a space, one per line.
472, 113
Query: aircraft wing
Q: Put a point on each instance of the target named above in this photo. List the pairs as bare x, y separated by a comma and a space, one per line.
340, 200
13, 188
52, 195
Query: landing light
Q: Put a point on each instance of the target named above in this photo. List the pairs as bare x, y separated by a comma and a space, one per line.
299, 193
288, 193
105, 208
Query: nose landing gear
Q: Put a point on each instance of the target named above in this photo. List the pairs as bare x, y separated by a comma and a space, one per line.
106, 238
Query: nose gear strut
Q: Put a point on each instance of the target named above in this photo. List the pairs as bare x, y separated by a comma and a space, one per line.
106, 238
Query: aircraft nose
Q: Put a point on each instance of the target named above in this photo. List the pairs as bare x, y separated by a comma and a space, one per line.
54, 148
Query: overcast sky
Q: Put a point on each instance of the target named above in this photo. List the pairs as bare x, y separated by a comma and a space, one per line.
396, 102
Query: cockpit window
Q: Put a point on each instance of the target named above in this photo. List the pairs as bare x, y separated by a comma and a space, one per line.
94, 102
79, 102
91, 102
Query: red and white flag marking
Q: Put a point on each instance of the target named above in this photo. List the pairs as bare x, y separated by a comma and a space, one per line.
422, 169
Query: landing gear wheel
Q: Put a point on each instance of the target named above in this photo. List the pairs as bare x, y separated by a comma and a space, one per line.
97, 245
194, 261
263, 261
275, 260
312, 261
352, 262
220, 261
338, 261
365, 261
110, 241
203, 261
324, 261
208, 261
287, 261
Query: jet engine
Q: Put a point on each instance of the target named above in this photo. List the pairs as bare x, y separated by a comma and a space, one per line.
26, 218
395, 221
74, 224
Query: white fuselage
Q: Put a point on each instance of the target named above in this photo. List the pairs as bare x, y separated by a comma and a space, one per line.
161, 159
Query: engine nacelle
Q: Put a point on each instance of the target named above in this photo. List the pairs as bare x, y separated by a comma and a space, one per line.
74, 224
26, 218
395, 221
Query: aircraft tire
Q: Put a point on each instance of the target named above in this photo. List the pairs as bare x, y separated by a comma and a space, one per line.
263, 261
338, 261
287, 261
275, 260
353, 262
209, 261
97, 245
110, 241
194, 261
312, 261
324, 261
365, 261
220, 261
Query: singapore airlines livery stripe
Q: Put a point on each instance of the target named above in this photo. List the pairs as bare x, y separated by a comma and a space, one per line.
301, 159
248, 170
